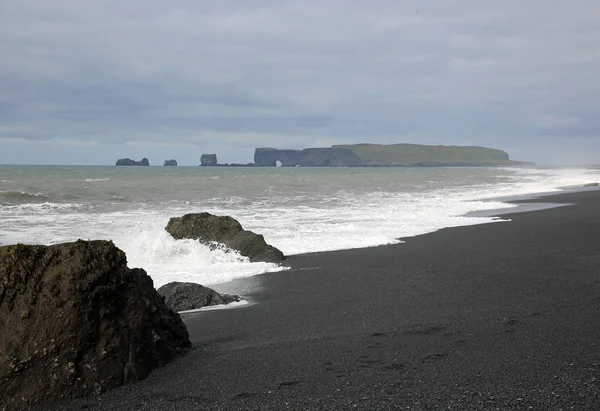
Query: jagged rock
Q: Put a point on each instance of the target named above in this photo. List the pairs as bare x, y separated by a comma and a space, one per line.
76, 321
208, 160
209, 228
190, 296
170, 163
130, 162
591, 185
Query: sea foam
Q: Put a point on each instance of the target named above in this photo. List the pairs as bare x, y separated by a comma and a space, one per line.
167, 259
368, 208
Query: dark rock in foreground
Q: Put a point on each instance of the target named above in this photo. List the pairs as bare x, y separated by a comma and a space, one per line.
208, 160
130, 162
591, 185
208, 228
190, 296
170, 163
76, 321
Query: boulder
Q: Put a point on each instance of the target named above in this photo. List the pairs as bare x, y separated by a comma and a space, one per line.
76, 321
209, 228
170, 163
190, 296
208, 160
130, 162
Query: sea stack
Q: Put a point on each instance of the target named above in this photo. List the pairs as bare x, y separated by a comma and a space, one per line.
208, 160
170, 163
130, 162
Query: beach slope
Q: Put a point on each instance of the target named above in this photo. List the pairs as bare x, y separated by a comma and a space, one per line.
502, 316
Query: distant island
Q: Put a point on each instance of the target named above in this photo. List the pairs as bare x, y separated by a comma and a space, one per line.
130, 162
379, 155
170, 163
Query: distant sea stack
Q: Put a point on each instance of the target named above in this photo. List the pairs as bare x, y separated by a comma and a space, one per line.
208, 160
170, 163
130, 162
378, 155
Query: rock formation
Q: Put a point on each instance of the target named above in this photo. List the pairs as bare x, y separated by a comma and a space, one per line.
190, 296
235, 165
130, 162
209, 228
392, 155
309, 157
208, 160
170, 163
76, 321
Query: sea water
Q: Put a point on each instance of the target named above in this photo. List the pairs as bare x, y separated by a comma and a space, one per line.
298, 210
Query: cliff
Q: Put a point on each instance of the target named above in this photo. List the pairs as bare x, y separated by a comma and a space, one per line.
378, 155
130, 162
309, 157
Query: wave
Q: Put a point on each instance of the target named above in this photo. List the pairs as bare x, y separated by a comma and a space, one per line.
166, 259
39, 207
307, 218
95, 180
23, 197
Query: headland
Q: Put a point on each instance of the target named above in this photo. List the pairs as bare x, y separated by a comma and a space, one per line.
380, 155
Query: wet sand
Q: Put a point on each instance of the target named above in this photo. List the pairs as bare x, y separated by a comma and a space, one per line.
502, 316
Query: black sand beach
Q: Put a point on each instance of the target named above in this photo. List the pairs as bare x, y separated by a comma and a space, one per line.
502, 316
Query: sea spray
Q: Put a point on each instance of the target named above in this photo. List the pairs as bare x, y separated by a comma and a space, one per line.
186, 260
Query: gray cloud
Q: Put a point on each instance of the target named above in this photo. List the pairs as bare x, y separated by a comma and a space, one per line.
230, 74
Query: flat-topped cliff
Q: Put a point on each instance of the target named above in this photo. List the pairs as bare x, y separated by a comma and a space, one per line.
379, 155
315, 157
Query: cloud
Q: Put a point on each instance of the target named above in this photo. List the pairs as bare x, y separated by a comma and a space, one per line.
284, 73
555, 121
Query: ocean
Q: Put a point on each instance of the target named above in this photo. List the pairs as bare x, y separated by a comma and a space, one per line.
298, 210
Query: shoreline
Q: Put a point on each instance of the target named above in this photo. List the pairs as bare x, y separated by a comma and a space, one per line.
489, 316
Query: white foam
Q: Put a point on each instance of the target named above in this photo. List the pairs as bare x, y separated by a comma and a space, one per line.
235, 304
46, 207
96, 180
167, 259
295, 222
382, 218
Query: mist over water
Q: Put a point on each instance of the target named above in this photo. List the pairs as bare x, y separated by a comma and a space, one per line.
298, 210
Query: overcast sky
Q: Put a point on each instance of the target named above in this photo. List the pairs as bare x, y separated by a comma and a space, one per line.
87, 82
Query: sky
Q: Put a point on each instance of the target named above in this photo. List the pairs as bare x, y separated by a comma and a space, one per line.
88, 82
